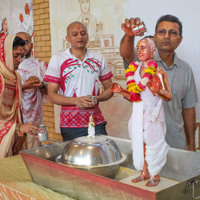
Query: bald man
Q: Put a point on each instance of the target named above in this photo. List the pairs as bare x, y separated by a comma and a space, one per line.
32, 72
75, 73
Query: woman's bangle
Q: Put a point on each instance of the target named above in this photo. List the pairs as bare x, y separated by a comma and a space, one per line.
19, 133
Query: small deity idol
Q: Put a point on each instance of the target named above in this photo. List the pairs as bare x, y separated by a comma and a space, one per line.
147, 86
91, 127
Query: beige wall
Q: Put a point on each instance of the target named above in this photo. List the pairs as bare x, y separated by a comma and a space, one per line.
42, 46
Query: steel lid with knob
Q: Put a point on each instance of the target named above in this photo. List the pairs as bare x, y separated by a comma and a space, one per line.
99, 155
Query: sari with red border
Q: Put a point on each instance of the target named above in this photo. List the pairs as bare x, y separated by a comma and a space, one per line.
10, 96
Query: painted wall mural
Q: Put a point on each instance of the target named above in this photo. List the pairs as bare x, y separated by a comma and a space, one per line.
16, 16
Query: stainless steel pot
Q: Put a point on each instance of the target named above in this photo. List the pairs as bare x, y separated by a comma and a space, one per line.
43, 135
100, 155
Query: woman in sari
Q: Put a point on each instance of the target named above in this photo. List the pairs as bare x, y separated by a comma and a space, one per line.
11, 128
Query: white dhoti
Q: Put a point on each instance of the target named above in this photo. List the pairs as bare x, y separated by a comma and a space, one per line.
32, 99
147, 126
136, 131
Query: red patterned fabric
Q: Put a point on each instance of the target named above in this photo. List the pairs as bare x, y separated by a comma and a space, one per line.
51, 79
1, 85
6, 127
2, 34
72, 117
2, 41
106, 77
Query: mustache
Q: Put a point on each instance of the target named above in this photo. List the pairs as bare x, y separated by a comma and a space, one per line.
166, 40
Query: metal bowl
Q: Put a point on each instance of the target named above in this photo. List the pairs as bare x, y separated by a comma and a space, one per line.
99, 155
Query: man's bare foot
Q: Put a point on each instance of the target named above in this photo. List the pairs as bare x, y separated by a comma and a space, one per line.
154, 181
143, 176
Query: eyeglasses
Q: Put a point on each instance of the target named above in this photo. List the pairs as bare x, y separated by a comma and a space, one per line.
171, 33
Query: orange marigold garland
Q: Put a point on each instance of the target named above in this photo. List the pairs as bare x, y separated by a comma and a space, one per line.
135, 88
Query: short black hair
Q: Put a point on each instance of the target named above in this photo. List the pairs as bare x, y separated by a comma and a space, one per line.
170, 18
18, 42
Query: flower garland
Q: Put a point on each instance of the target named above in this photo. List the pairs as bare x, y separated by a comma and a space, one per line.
135, 88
